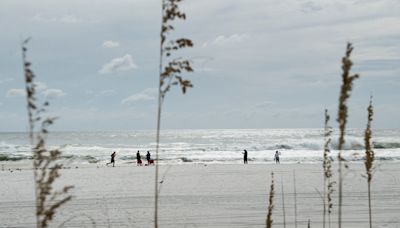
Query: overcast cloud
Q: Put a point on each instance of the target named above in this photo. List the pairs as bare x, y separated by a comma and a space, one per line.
258, 63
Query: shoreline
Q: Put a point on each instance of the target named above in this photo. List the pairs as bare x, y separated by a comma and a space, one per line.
102, 164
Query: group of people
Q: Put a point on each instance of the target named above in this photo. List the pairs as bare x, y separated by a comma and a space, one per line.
138, 159
151, 161
276, 157
148, 158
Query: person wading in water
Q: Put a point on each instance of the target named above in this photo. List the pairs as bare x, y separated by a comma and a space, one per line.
245, 156
277, 157
148, 157
138, 158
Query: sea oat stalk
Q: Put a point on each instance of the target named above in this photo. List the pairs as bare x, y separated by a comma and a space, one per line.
327, 166
268, 222
170, 72
45, 162
295, 199
347, 84
369, 156
283, 204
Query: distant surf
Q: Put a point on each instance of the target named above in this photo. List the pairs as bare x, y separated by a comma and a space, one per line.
203, 146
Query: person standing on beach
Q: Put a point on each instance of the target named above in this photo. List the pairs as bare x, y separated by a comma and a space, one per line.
148, 157
112, 159
138, 158
245, 156
277, 157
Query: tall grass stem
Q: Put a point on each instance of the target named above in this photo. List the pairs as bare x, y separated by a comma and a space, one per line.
347, 84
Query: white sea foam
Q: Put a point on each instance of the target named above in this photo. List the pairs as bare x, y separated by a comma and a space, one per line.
204, 146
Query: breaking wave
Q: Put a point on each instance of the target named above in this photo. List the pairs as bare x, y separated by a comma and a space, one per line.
5, 157
386, 145
203, 146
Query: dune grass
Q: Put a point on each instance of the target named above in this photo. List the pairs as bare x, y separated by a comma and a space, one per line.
45, 162
269, 221
369, 157
295, 198
283, 203
347, 85
170, 72
327, 166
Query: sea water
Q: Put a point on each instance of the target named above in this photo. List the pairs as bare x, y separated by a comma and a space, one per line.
204, 146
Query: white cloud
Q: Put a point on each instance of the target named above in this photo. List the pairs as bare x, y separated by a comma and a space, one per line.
145, 95
40, 86
124, 63
53, 93
235, 38
110, 44
16, 93
70, 19
67, 19
40, 17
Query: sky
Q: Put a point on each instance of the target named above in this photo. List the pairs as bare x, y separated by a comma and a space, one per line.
257, 63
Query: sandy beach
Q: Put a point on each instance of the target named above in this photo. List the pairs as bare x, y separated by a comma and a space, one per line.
202, 196
199, 88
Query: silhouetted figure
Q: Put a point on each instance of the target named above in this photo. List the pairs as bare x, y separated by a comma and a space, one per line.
148, 157
138, 158
112, 159
245, 156
277, 157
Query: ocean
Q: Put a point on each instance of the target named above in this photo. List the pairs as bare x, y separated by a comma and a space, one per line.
223, 146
